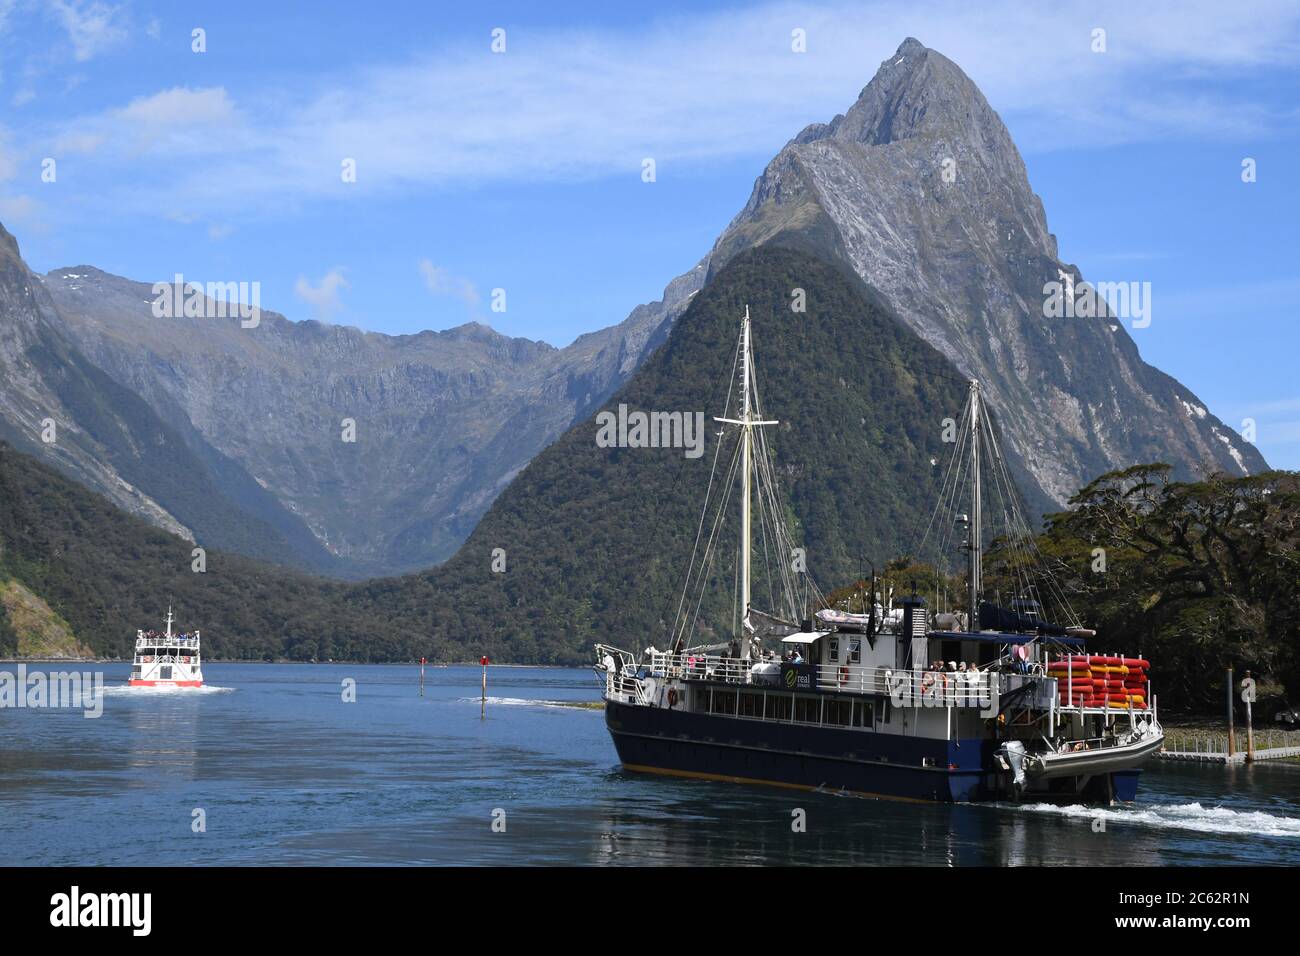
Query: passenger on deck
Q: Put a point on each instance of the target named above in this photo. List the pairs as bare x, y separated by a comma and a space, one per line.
796, 657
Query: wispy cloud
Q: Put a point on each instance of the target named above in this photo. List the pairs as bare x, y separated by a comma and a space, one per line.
172, 123
323, 296
442, 283
92, 25
20, 209
573, 104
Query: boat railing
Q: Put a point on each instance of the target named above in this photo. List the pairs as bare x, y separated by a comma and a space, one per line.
924, 688
162, 640
1078, 745
167, 659
618, 670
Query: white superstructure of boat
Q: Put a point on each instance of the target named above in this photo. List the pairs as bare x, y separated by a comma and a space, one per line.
166, 659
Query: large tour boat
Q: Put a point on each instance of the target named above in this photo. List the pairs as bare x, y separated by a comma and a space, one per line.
896, 701
166, 659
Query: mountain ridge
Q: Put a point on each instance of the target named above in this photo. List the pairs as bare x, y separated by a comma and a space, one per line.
595, 538
456, 413
917, 189
964, 261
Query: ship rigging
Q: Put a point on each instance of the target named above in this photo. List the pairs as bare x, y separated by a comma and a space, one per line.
865, 702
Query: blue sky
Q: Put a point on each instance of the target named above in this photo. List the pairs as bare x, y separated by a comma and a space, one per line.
522, 170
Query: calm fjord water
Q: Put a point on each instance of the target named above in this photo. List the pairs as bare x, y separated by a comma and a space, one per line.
286, 772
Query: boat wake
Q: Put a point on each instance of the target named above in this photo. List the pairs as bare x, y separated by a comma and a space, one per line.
124, 690
522, 702
1183, 816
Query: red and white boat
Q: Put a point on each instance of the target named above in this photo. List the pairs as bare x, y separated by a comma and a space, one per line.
166, 659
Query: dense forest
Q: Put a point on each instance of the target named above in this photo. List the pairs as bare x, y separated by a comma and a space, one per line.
108, 573
596, 539
1192, 575
589, 542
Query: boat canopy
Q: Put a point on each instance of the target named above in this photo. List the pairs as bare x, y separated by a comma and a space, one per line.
999, 637
803, 638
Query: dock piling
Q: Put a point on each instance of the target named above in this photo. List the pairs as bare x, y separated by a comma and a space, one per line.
1232, 734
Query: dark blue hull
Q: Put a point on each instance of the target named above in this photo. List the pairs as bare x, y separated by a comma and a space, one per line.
714, 747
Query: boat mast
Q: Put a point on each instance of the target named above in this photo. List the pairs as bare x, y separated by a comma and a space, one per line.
747, 422
169, 620
976, 533
746, 438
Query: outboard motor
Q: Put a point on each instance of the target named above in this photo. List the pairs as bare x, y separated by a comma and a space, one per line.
1012, 754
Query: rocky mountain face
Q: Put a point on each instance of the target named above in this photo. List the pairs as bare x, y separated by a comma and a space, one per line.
920, 190
57, 404
592, 540
917, 189
440, 422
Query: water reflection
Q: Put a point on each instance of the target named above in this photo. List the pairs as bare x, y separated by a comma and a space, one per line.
289, 773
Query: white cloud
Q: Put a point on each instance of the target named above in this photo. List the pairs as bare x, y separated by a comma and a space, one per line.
441, 282
324, 296
77, 143
177, 123
180, 105
569, 104
92, 25
20, 209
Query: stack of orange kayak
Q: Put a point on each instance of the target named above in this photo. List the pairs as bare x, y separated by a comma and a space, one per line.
1094, 680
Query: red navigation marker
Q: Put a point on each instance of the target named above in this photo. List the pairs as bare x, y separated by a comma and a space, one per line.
484, 661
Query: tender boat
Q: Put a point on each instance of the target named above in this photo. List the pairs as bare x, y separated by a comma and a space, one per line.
875, 703
166, 659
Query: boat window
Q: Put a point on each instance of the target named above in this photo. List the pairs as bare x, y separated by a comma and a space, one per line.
839, 712
779, 707
864, 714
723, 702
751, 705
834, 649
855, 651
807, 710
